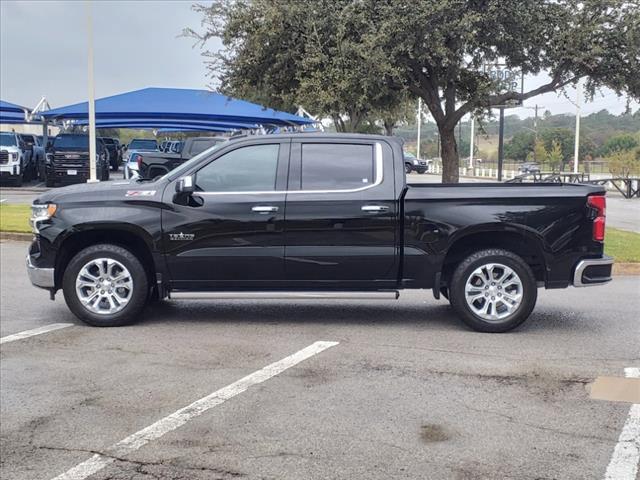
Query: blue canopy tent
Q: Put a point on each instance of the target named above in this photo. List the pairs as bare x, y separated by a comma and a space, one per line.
159, 123
177, 105
12, 113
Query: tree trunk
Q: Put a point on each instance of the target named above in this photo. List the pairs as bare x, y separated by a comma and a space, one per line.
449, 154
388, 127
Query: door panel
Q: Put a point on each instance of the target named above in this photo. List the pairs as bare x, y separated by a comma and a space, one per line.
226, 239
343, 236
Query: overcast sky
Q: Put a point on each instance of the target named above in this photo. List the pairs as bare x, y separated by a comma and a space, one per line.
43, 51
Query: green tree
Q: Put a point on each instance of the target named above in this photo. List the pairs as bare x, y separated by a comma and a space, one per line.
540, 152
624, 163
344, 57
617, 143
520, 146
555, 157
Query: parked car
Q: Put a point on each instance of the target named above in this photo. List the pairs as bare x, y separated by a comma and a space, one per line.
135, 147
151, 165
529, 167
216, 227
36, 153
413, 164
15, 159
115, 153
67, 160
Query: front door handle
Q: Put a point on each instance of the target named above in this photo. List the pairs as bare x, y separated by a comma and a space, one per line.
374, 208
264, 209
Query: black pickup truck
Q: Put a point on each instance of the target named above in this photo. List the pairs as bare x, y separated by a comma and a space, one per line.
67, 160
314, 216
154, 164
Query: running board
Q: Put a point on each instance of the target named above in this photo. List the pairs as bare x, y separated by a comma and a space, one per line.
186, 295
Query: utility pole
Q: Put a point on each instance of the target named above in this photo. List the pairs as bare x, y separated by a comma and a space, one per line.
471, 143
577, 144
419, 125
92, 106
501, 144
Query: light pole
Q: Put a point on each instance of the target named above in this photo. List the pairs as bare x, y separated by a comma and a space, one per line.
471, 143
419, 125
92, 106
577, 139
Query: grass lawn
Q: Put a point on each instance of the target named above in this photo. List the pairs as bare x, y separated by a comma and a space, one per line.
15, 218
622, 245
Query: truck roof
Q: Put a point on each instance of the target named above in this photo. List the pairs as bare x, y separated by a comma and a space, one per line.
361, 136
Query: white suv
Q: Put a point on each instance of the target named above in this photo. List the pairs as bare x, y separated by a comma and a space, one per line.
12, 158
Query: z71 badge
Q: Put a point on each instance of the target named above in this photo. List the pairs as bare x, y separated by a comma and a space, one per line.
140, 193
181, 236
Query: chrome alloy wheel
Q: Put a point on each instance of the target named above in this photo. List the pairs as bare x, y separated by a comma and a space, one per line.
493, 291
104, 286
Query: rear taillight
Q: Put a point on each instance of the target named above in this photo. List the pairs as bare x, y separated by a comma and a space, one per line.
139, 161
599, 204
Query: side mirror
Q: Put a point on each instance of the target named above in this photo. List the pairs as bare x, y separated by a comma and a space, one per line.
186, 185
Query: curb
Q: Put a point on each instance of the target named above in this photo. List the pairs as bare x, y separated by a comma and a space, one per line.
18, 237
618, 268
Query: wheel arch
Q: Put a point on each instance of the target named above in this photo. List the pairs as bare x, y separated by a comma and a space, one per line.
523, 242
131, 237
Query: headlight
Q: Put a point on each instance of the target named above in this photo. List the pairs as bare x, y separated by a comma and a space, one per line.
41, 213
415, 162
14, 156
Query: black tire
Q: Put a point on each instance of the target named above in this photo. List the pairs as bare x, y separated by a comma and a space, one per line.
139, 293
19, 178
114, 166
464, 271
407, 168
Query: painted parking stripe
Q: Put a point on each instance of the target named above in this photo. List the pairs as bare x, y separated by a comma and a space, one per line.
35, 331
180, 417
626, 455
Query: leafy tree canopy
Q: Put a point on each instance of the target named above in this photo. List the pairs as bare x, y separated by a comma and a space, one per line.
351, 57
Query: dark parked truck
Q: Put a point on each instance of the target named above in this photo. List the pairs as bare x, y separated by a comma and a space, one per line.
314, 216
67, 160
154, 164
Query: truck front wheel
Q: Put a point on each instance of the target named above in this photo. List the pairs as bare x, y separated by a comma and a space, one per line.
105, 285
493, 290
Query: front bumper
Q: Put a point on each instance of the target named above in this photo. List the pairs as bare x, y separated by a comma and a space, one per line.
12, 170
593, 271
40, 277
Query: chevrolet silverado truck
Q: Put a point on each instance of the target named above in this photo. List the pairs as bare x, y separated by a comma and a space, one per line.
67, 160
154, 164
314, 216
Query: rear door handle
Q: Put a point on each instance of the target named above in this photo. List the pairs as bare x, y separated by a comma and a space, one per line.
374, 208
264, 209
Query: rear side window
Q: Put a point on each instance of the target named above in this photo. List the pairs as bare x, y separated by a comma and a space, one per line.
336, 166
246, 169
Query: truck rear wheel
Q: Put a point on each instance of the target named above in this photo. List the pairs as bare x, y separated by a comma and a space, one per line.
493, 290
105, 286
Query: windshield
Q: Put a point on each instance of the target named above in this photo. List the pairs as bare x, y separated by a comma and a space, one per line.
409, 155
71, 141
141, 144
7, 139
188, 164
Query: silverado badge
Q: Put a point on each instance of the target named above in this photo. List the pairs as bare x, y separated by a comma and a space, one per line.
181, 236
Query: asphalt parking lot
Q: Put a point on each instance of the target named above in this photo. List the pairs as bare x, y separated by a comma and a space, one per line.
403, 389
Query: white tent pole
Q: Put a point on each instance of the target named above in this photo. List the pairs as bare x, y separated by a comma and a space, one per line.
92, 107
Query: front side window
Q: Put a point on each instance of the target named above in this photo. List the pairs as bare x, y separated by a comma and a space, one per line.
246, 169
336, 166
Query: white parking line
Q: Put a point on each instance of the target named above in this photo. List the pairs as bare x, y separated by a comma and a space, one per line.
626, 455
180, 417
35, 331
